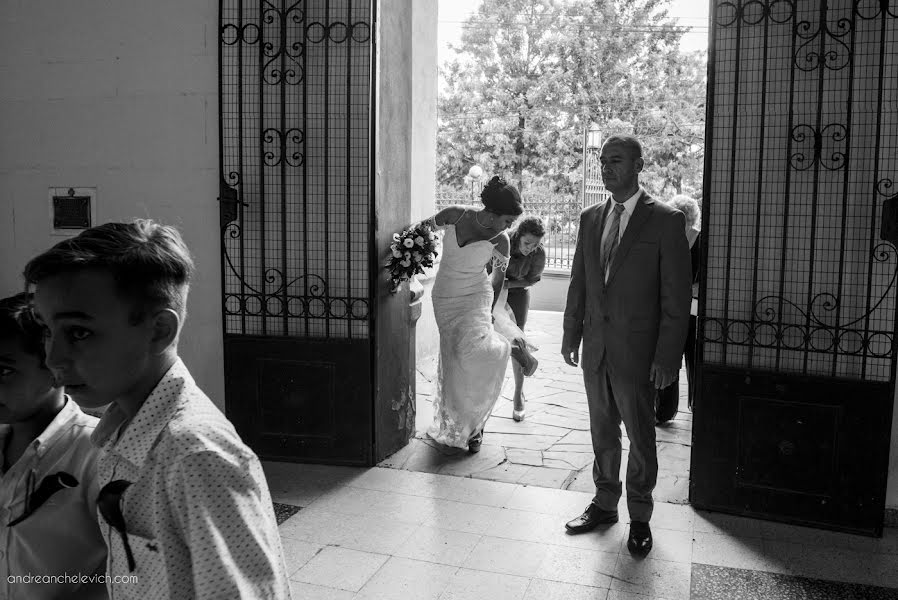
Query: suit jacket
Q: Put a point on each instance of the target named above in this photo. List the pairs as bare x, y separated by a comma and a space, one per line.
641, 314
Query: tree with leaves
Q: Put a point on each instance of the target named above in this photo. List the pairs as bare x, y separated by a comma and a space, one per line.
530, 75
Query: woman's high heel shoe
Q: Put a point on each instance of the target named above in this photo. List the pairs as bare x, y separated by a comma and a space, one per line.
518, 415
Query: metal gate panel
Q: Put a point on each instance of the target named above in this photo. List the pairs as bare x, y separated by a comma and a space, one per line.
296, 219
804, 140
295, 123
796, 348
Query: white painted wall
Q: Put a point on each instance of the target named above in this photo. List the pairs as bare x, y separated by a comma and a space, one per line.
121, 96
425, 14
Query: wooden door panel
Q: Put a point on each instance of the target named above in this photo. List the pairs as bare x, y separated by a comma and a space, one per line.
790, 448
293, 399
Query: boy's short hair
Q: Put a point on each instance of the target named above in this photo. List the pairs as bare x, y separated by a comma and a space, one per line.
149, 262
17, 322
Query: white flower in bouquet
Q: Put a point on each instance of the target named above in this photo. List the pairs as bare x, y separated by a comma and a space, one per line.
408, 243
406, 263
408, 255
395, 237
419, 240
396, 252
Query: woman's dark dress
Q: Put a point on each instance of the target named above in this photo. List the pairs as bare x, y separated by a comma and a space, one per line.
527, 268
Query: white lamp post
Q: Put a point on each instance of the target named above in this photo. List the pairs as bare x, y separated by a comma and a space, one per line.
474, 174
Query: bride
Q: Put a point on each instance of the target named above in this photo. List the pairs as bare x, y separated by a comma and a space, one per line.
473, 354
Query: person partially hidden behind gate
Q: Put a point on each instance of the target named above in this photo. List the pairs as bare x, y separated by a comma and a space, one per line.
628, 301
667, 401
186, 511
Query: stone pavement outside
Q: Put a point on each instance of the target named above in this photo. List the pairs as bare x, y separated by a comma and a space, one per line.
551, 447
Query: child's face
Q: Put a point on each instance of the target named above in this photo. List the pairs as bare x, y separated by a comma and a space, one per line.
26, 387
92, 347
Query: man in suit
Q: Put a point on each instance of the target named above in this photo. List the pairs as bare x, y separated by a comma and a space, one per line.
628, 301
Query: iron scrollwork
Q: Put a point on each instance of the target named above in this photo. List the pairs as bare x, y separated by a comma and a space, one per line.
823, 46
230, 34
872, 9
286, 140
836, 132
291, 73
826, 302
754, 12
277, 299
799, 338
768, 328
338, 32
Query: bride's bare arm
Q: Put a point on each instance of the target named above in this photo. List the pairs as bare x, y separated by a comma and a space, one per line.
448, 216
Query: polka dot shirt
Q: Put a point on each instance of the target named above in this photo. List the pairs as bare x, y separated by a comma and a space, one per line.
198, 513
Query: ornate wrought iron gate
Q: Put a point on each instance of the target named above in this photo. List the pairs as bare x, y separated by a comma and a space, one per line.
295, 88
797, 335
593, 189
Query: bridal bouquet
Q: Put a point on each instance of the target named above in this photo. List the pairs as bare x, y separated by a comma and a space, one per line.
412, 250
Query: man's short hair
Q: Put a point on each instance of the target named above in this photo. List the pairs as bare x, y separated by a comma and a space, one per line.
17, 322
149, 262
627, 141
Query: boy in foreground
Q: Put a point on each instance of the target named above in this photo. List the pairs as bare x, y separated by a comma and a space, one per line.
184, 503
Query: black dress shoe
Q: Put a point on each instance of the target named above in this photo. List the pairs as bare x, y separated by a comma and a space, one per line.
591, 518
640, 541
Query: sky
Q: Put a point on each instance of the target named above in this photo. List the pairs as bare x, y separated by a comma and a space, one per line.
689, 13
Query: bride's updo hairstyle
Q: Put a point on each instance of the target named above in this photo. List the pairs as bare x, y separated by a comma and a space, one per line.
501, 198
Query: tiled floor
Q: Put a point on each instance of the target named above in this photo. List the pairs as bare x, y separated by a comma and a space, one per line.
434, 523
551, 447
387, 533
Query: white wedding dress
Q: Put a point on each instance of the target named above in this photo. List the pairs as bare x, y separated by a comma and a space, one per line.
473, 353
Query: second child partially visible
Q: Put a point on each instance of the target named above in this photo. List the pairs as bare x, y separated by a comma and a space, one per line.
184, 502
48, 491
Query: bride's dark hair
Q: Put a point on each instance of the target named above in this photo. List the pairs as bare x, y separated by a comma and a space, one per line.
499, 197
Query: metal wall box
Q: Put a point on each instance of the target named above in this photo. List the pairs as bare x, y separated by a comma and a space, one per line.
71, 209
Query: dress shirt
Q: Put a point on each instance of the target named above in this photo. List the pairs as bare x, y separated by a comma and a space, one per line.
60, 542
629, 207
198, 513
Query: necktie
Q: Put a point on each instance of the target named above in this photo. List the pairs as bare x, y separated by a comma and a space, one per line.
609, 245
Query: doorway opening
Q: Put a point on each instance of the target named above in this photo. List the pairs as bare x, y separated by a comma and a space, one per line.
547, 145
